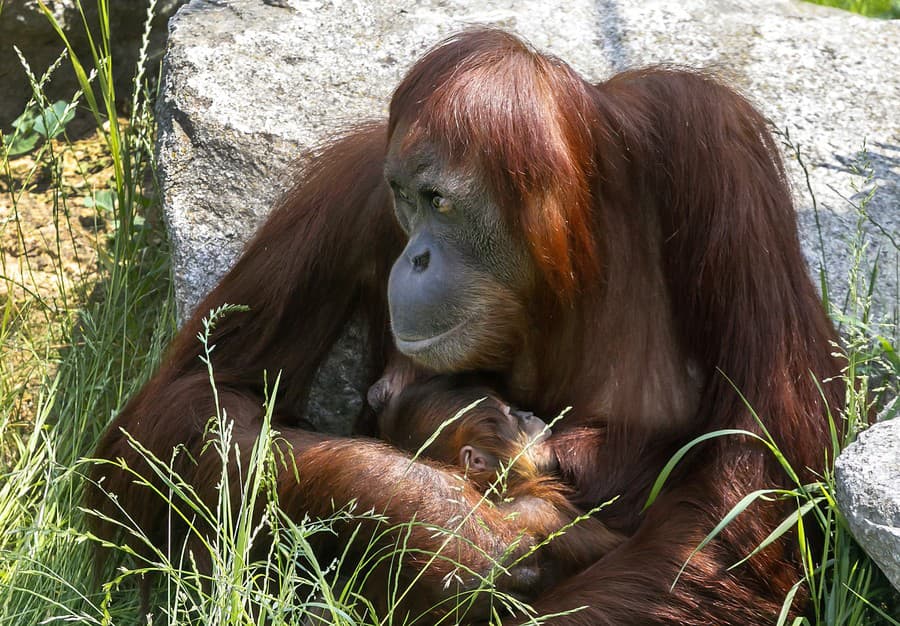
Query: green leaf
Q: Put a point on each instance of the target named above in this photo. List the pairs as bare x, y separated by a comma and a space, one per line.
782, 528
104, 200
889, 352
25, 122
736, 510
20, 144
664, 474
52, 120
788, 603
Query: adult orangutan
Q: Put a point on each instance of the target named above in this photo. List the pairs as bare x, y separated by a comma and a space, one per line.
628, 249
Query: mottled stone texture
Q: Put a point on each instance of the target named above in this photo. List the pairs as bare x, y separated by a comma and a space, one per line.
868, 491
249, 87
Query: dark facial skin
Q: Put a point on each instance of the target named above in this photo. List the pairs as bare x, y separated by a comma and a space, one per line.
457, 293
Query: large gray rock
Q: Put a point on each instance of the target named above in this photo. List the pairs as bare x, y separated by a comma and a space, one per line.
251, 87
24, 25
867, 476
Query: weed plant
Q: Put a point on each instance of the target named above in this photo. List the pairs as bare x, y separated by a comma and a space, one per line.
83, 348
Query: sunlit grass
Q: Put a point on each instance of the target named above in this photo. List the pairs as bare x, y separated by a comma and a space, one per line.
870, 8
86, 313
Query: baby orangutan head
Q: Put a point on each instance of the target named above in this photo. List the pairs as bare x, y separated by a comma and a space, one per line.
466, 425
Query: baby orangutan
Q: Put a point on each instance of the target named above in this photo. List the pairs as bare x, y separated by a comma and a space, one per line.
490, 437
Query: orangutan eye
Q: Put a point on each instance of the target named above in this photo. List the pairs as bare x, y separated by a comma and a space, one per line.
441, 204
398, 190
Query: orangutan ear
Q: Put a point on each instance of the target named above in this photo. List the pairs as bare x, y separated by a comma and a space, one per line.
476, 459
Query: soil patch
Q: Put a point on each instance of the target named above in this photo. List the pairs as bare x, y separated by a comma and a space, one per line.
53, 237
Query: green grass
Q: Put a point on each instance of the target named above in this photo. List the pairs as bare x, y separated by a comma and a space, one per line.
79, 352
84, 345
889, 9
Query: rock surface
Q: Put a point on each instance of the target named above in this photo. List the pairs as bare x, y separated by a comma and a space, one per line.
250, 88
867, 475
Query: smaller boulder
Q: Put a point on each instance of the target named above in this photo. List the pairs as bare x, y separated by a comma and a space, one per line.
867, 476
